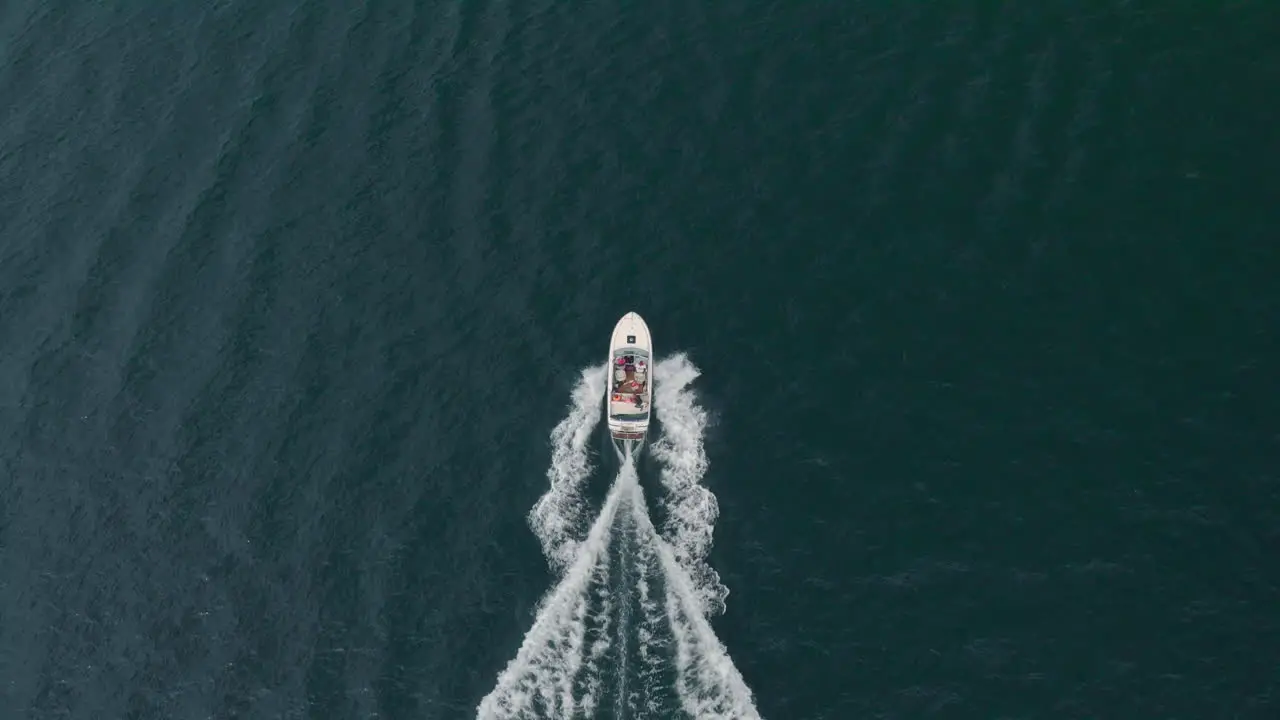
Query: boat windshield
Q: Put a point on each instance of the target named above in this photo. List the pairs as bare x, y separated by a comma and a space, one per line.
630, 351
630, 417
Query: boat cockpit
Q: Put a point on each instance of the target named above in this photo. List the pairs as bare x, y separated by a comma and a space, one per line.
629, 382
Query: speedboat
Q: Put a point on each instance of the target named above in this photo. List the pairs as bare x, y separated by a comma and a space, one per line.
629, 398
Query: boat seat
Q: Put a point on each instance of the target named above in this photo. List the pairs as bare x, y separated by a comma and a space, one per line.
619, 375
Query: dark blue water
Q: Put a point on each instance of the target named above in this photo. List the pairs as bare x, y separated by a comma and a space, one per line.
983, 299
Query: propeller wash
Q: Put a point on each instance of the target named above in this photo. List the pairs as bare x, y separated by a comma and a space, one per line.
625, 631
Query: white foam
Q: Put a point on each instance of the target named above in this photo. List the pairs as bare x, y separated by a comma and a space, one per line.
540, 678
558, 517
692, 509
708, 684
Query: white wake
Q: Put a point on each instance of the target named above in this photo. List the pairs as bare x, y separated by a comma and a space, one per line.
627, 625
557, 518
691, 508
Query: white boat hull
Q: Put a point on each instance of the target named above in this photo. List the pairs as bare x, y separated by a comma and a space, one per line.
629, 390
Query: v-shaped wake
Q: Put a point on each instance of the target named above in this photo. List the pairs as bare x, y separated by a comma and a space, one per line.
626, 627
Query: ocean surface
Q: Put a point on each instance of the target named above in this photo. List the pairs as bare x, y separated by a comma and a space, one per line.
966, 317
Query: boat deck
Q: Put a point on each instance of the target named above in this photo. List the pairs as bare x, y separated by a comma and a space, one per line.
625, 393
626, 405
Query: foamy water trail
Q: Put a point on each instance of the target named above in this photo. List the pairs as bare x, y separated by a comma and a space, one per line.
654, 599
655, 696
691, 508
541, 681
708, 684
558, 516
